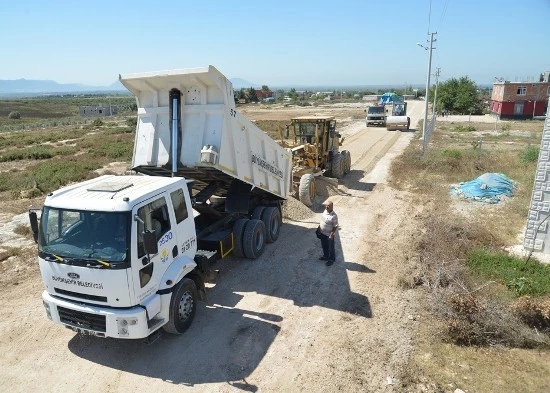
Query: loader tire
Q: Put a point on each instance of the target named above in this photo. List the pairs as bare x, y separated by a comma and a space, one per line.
346, 155
183, 305
307, 190
238, 233
271, 217
337, 166
254, 239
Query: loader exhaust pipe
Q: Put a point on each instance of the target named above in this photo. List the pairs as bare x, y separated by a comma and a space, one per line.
175, 109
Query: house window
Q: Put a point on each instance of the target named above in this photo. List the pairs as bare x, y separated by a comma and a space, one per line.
518, 108
522, 90
548, 91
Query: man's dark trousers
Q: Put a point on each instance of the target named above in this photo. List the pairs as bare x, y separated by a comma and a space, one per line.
328, 247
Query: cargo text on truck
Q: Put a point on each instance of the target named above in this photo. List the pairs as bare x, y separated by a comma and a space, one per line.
123, 256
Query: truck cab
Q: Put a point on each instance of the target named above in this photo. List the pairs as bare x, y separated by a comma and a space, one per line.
376, 114
100, 276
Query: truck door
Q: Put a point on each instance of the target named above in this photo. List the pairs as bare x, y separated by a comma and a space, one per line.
185, 225
147, 271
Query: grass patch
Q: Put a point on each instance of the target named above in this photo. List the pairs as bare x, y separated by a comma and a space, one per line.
36, 153
530, 154
522, 278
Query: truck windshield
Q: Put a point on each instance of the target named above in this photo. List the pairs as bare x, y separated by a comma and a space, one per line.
376, 109
84, 236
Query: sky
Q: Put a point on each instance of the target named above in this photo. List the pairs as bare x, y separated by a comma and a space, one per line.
277, 43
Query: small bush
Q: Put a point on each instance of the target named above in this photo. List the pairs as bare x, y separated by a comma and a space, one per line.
131, 122
461, 128
97, 123
530, 154
452, 153
14, 115
534, 312
506, 127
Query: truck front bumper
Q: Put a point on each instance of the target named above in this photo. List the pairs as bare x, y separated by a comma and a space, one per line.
95, 320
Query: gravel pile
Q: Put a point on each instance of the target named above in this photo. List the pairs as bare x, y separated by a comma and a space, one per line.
295, 210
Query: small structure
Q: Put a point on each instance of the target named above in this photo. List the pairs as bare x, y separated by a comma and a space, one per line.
98, 110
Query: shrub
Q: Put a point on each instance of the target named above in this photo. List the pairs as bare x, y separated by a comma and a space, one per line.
452, 153
530, 154
97, 123
14, 115
131, 122
461, 128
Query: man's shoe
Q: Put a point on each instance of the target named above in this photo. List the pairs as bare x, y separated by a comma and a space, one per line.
323, 258
329, 262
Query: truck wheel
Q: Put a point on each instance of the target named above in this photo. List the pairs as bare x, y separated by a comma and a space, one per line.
307, 190
257, 213
408, 123
254, 239
337, 166
238, 233
346, 155
272, 221
183, 305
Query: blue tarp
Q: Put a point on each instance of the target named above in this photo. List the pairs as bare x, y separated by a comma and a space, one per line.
390, 97
488, 188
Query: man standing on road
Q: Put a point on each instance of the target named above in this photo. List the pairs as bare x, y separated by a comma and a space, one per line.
328, 226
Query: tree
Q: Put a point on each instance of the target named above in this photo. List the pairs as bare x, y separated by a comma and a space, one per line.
14, 115
293, 94
265, 88
458, 96
242, 94
252, 95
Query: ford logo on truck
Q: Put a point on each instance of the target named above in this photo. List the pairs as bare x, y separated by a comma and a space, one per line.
74, 276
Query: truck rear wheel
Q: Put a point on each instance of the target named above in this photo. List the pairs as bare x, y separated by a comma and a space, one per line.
346, 155
271, 217
238, 233
254, 239
337, 166
183, 305
307, 190
258, 211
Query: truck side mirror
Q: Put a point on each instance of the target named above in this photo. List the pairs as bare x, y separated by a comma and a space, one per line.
150, 242
33, 218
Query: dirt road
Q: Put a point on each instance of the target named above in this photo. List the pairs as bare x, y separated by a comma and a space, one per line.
282, 323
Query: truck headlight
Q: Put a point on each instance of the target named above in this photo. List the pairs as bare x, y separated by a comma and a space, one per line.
47, 307
123, 324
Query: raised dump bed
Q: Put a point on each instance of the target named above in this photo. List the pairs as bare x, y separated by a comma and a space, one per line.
190, 114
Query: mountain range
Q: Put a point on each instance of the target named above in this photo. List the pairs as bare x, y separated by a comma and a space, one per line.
31, 87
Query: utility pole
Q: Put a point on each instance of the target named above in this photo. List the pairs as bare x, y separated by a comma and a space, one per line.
425, 125
435, 94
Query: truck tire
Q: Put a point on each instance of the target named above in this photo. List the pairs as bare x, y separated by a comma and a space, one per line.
254, 239
346, 155
238, 233
257, 213
337, 166
183, 305
271, 218
307, 190
408, 123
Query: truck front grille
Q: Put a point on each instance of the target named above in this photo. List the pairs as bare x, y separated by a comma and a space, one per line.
81, 295
81, 319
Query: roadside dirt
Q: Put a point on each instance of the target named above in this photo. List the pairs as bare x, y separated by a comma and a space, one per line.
282, 323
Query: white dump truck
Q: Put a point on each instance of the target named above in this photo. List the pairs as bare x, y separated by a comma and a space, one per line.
123, 256
398, 119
